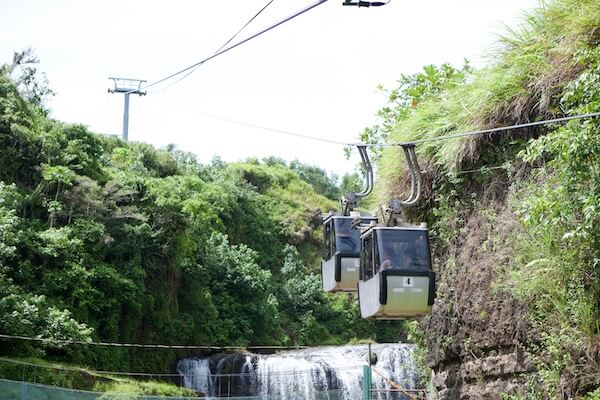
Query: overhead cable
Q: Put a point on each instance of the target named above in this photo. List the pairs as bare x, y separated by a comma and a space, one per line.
160, 375
220, 48
484, 131
147, 346
245, 25
408, 143
283, 132
233, 46
361, 3
482, 169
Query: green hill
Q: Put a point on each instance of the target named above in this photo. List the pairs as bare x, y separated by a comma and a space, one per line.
106, 240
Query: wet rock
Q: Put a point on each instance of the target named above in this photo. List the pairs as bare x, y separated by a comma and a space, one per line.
496, 366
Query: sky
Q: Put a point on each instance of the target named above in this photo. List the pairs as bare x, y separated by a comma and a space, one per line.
315, 75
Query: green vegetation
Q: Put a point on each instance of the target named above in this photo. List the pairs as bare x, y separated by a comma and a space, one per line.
106, 240
111, 241
548, 179
67, 376
120, 387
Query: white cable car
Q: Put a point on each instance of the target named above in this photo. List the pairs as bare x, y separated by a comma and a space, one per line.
340, 264
396, 277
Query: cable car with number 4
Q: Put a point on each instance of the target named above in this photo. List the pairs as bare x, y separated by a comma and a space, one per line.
396, 277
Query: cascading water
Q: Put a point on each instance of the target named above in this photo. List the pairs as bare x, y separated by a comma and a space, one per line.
312, 373
197, 374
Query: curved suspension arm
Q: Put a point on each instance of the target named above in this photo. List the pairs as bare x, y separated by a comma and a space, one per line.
368, 171
392, 214
415, 176
348, 201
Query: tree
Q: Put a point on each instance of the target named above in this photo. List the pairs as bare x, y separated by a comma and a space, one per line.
59, 176
32, 83
316, 177
242, 293
404, 99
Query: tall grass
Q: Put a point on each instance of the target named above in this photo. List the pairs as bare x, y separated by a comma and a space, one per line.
529, 68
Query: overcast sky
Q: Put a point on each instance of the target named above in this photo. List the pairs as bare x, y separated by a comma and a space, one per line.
315, 75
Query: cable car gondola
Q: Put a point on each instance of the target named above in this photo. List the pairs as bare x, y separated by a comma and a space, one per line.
341, 260
340, 264
396, 277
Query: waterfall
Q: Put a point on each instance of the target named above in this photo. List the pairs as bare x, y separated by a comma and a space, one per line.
300, 374
195, 374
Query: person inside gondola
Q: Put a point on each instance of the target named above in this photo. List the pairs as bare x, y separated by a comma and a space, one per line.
387, 262
388, 258
400, 255
406, 255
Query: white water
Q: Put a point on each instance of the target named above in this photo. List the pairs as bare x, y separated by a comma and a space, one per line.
301, 373
196, 374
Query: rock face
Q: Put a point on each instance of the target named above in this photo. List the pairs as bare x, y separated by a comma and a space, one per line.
485, 378
478, 331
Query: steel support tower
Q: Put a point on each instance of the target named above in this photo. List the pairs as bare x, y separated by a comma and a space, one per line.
127, 86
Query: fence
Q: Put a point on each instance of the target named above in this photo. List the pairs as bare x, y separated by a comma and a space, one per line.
13, 390
21, 380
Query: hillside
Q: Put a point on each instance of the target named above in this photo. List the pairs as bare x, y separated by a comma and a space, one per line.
111, 241
514, 216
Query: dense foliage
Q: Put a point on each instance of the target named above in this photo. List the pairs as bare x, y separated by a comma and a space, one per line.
106, 240
532, 196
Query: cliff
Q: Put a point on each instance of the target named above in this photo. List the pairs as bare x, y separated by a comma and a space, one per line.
513, 215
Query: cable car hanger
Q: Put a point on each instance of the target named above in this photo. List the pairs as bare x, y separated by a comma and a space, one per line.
361, 3
392, 213
348, 202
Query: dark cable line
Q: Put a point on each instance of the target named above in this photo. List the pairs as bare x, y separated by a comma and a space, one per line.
361, 3
162, 375
482, 169
220, 48
148, 346
245, 25
400, 144
233, 46
264, 128
484, 131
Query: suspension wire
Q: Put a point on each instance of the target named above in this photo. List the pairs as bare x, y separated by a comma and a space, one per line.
233, 46
245, 25
264, 128
482, 169
401, 144
155, 346
504, 166
280, 373
491, 130
148, 346
162, 375
397, 144
219, 49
